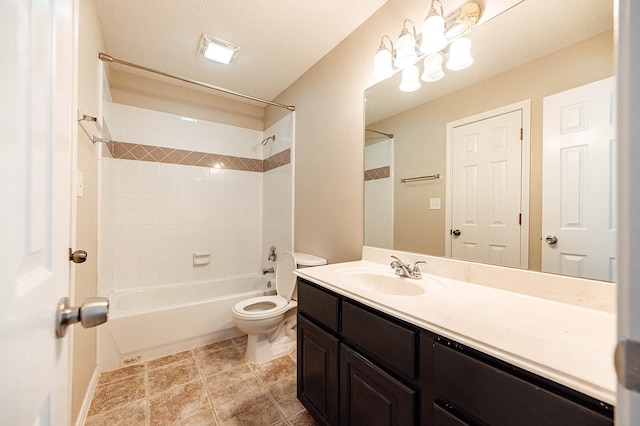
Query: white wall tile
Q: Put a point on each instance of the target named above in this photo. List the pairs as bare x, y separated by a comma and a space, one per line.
159, 214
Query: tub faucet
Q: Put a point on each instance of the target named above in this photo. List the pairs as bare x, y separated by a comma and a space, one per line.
273, 254
405, 270
266, 271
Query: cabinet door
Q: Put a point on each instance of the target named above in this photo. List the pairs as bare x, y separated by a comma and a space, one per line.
371, 397
318, 372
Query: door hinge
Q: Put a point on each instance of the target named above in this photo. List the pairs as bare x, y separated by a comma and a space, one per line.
521, 133
519, 218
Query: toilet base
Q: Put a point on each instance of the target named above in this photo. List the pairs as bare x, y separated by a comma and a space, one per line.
260, 350
280, 341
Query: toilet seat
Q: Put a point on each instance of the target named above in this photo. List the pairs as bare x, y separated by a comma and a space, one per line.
261, 307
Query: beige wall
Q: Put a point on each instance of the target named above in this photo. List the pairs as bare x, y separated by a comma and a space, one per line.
420, 136
328, 200
86, 274
144, 92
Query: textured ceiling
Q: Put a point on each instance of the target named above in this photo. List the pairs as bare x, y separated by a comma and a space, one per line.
279, 39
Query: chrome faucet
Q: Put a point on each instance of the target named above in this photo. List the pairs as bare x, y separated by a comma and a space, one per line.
406, 270
266, 271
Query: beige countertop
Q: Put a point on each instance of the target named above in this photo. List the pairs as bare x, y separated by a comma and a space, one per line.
571, 345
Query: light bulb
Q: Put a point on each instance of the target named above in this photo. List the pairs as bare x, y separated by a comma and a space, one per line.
460, 54
383, 64
410, 81
433, 38
433, 68
406, 54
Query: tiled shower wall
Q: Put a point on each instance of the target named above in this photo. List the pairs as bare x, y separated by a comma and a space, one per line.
155, 214
378, 190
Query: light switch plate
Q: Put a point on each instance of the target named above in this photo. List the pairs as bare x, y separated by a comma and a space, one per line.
434, 203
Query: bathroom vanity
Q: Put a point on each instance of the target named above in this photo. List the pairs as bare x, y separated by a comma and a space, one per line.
376, 349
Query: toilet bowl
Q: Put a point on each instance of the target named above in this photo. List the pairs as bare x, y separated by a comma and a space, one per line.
270, 321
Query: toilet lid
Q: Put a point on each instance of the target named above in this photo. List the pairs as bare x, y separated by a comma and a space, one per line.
261, 307
285, 280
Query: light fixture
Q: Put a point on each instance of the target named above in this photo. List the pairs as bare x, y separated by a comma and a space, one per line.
406, 54
459, 54
438, 31
383, 61
433, 38
410, 81
217, 50
433, 68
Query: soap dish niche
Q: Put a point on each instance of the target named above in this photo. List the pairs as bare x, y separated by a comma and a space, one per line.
200, 259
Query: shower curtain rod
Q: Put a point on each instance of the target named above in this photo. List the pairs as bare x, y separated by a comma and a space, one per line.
389, 135
108, 58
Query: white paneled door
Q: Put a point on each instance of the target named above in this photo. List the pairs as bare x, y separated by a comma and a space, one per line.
486, 172
36, 121
578, 219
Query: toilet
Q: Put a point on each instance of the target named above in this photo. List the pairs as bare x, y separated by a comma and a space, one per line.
270, 321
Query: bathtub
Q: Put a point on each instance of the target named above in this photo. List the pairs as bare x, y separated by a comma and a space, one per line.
151, 322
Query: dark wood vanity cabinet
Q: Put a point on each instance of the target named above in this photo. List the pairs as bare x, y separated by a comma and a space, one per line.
473, 388
371, 397
318, 371
360, 366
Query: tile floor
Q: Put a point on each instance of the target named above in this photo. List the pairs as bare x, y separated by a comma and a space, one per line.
209, 385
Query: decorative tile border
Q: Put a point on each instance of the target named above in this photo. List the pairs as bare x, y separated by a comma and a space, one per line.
157, 154
280, 159
379, 173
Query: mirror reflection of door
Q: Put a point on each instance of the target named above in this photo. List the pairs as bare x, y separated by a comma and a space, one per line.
486, 190
578, 221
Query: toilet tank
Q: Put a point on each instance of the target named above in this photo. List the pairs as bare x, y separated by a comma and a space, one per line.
304, 260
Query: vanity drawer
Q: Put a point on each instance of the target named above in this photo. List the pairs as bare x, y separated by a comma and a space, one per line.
387, 341
496, 397
318, 304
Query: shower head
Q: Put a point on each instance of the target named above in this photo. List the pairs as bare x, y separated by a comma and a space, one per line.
271, 138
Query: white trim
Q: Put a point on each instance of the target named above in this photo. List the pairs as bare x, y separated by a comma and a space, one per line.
88, 397
525, 107
627, 20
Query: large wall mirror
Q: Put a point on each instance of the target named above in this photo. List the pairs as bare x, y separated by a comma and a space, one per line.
542, 66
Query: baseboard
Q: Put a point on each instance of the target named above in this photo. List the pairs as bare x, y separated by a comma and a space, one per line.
88, 396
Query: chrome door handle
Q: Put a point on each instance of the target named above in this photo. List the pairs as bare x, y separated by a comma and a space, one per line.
456, 233
551, 239
78, 256
94, 311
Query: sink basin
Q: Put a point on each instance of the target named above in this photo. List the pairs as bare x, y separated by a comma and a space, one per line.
382, 283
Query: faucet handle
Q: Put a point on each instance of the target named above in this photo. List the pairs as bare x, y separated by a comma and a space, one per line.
397, 259
417, 273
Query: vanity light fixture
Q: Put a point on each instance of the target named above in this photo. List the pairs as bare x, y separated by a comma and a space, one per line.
433, 38
406, 53
438, 31
459, 54
410, 82
384, 60
217, 50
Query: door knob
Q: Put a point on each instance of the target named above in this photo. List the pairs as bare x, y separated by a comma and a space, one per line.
94, 311
456, 232
78, 256
551, 239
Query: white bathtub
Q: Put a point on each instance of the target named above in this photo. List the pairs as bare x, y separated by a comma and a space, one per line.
147, 323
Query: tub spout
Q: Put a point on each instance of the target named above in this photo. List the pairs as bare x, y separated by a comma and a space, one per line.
266, 271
